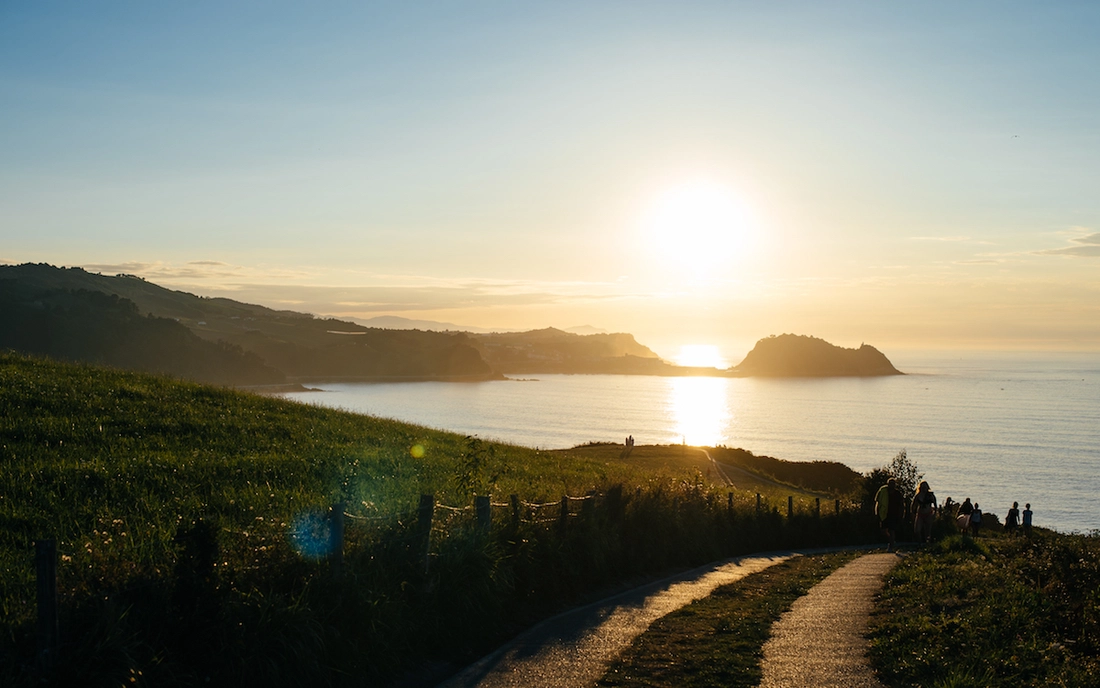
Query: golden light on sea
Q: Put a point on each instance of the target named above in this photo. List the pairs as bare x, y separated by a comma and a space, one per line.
700, 408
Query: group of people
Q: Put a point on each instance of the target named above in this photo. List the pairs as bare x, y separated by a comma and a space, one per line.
890, 506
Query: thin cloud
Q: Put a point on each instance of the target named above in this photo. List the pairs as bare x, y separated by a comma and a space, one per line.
978, 261
1079, 251
1088, 247
195, 272
938, 238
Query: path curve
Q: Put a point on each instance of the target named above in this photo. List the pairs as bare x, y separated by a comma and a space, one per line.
576, 648
820, 640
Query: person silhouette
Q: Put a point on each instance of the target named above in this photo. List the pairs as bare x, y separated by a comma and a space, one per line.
975, 520
1012, 520
924, 508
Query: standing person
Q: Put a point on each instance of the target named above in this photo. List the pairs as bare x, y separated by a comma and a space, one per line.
1027, 519
963, 520
1012, 520
975, 520
888, 506
924, 506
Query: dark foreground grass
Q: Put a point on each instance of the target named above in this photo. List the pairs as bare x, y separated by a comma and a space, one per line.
990, 612
188, 520
718, 641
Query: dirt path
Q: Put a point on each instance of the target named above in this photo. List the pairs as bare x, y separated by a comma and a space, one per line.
574, 649
724, 470
819, 641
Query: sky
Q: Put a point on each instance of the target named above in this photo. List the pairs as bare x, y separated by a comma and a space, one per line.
908, 175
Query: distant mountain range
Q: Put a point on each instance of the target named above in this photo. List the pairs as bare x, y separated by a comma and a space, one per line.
127, 322
51, 306
396, 322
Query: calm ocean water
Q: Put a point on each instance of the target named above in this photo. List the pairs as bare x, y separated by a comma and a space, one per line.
996, 428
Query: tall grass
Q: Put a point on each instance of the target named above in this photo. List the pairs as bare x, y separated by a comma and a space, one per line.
183, 515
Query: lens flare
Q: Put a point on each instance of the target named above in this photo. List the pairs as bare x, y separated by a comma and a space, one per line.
310, 535
417, 451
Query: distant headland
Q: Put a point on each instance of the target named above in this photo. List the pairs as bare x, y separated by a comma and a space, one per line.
791, 355
127, 322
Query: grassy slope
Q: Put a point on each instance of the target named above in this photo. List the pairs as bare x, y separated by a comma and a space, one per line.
127, 470
113, 464
992, 612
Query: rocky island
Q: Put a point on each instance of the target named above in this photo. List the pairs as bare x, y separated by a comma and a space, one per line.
791, 355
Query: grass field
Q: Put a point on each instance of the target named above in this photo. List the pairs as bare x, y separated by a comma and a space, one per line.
992, 611
187, 519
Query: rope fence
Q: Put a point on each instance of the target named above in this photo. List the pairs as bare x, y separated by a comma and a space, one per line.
426, 528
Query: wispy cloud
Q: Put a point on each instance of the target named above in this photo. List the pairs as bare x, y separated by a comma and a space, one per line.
940, 238
352, 293
198, 271
1088, 246
1079, 251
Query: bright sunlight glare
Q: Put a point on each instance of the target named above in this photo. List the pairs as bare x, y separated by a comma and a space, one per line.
701, 356
700, 407
701, 224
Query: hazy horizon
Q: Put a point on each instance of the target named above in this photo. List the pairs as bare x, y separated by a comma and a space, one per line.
706, 174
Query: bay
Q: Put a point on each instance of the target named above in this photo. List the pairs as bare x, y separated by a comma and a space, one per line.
994, 427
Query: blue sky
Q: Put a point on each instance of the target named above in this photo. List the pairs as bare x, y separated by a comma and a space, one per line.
918, 174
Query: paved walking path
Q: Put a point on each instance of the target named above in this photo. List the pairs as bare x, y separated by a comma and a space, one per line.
819, 641
576, 648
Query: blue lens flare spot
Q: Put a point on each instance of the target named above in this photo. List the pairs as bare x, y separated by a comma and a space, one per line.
310, 535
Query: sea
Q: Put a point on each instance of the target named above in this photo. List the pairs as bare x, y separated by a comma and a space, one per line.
996, 427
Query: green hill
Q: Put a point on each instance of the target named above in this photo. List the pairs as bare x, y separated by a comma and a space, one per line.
95, 327
551, 350
278, 343
790, 355
192, 525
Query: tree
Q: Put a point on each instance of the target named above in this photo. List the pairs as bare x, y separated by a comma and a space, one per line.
905, 473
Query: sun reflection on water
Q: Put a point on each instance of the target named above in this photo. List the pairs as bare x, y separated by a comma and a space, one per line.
700, 409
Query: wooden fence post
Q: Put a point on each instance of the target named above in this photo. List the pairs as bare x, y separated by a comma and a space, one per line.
588, 506
563, 515
514, 499
336, 537
484, 511
424, 515
757, 503
790, 506
817, 507
45, 560
836, 507
729, 503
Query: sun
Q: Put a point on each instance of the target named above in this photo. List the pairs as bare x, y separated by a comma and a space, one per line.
701, 356
699, 223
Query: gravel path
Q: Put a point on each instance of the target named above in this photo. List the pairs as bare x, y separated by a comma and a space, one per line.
819, 641
575, 649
